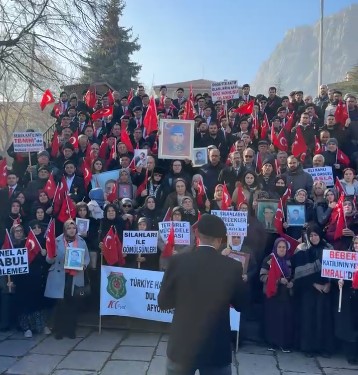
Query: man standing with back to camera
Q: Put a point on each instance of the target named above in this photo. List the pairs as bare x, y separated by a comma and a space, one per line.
201, 286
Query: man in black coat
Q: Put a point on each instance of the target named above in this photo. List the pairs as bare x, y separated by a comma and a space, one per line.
201, 286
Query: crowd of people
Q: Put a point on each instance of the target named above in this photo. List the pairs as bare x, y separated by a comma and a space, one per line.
244, 163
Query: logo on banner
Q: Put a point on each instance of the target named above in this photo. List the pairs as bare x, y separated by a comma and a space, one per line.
116, 286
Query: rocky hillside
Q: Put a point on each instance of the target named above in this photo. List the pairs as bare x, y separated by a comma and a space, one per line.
294, 62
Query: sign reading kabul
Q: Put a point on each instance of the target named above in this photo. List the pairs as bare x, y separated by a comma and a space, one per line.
28, 142
323, 174
225, 90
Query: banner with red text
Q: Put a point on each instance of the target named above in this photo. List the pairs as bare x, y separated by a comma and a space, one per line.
339, 264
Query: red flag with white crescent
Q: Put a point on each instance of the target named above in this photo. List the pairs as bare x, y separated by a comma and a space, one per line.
3, 173
32, 245
47, 98
102, 112
50, 187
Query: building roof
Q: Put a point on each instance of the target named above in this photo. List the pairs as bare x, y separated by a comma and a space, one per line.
198, 85
79, 88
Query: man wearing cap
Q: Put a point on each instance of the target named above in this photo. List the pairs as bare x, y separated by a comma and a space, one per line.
176, 144
33, 187
200, 286
43, 160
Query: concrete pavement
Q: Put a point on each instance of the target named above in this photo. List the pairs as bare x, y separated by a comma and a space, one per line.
129, 352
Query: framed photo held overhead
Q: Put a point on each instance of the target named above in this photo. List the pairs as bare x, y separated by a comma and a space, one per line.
296, 215
140, 157
82, 225
200, 156
265, 212
176, 139
74, 259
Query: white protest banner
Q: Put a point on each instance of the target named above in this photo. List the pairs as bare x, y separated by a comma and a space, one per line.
181, 231
140, 242
225, 90
14, 261
339, 264
134, 293
323, 174
235, 221
28, 142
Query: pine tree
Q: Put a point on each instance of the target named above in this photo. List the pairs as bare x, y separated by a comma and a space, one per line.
109, 57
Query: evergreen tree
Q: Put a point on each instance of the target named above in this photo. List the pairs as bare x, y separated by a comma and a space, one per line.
109, 57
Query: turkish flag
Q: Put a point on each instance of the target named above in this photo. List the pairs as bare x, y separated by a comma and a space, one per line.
103, 148
87, 175
47, 98
355, 279
74, 139
280, 141
245, 109
292, 242
340, 223
109, 250
130, 96
287, 195
125, 138
342, 158
103, 112
68, 210
3, 173
168, 215
32, 245
338, 186
240, 195
255, 126
169, 246
265, 127
299, 145
90, 98
279, 217
50, 187
273, 278
143, 185
341, 114
150, 120
55, 145
189, 111
7, 244
289, 123
201, 193
226, 201
51, 239
110, 97
113, 195
317, 146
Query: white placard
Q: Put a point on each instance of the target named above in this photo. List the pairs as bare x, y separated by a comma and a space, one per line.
225, 90
339, 264
323, 174
14, 261
28, 142
140, 242
134, 293
235, 221
181, 231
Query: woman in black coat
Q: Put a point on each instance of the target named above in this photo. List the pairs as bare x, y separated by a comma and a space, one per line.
151, 212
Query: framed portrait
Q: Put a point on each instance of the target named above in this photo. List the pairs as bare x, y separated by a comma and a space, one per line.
100, 180
200, 156
235, 242
125, 191
265, 213
244, 258
176, 139
74, 259
296, 215
140, 157
82, 225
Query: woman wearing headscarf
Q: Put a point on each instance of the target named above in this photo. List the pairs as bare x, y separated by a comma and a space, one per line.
323, 209
198, 195
151, 212
189, 212
61, 284
216, 202
14, 217
346, 321
127, 212
44, 202
267, 176
279, 188
111, 216
176, 171
312, 294
177, 215
125, 187
278, 323
175, 198
318, 190
154, 187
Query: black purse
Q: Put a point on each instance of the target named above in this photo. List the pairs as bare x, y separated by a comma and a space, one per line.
83, 291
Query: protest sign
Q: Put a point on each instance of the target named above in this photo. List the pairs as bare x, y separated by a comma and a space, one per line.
140, 242
14, 262
28, 142
225, 90
134, 293
235, 221
339, 264
323, 174
181, 231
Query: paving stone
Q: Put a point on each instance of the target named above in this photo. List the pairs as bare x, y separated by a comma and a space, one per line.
255, 349
16, 348
20, 336
162, 349
157, 366
83, 331
336, 371
253, 364
141, 339
78, 360
5, 335
35, 364
52, 346
104, 342
6, 362
294, 361
165, 337
126, 368
336, 362
74, 372
134, 353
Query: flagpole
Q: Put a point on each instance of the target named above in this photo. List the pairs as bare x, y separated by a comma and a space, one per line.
100, 292
30, 165
340, 299
278, 264
283, 211
53, 200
